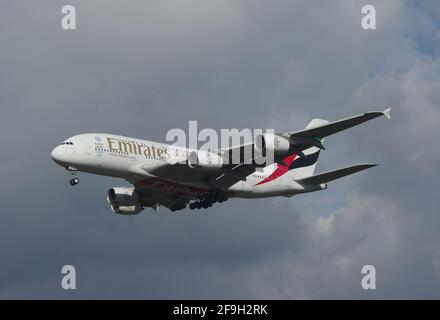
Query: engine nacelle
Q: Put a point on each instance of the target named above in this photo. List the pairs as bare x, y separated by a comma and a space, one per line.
204, 160
124, 201
272, 142
126, 210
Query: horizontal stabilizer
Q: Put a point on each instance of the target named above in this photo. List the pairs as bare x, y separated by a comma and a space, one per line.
333, 175
325, 130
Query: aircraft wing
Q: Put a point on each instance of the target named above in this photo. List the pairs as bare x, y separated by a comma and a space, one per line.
325, 130
333, 175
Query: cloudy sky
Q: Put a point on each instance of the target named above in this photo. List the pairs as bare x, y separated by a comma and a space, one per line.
139, 68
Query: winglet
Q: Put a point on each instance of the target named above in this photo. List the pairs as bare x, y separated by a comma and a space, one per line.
387, 113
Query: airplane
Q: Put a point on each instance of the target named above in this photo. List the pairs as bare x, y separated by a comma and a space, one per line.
175, 177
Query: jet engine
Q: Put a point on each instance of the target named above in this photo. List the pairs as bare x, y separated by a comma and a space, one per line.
204, 160
274, 143
124, 201
126, 210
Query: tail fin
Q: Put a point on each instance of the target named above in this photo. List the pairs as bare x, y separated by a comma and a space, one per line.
304, 166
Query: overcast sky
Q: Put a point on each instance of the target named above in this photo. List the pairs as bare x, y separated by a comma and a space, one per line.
139, 68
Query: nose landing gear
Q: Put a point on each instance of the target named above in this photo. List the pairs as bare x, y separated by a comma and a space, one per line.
74, 181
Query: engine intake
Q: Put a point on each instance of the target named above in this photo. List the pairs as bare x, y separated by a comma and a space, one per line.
124, 201
269, 142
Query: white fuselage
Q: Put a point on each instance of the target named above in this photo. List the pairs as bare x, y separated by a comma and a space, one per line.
134, 160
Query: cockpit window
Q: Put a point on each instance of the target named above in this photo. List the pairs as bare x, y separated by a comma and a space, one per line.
68, 143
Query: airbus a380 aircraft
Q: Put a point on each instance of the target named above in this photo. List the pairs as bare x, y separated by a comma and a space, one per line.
173, 177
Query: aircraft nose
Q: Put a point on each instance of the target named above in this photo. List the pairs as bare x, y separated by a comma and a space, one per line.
57, 155
54, 154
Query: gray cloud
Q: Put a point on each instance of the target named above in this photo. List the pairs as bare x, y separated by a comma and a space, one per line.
147, 66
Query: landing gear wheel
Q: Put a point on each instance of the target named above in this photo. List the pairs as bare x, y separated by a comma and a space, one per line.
74, 181
178, 206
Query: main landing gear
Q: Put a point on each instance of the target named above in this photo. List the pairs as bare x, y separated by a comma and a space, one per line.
208, 201
74, 181
204, 203
178, 206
